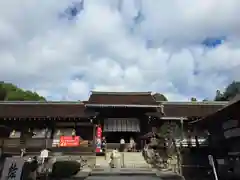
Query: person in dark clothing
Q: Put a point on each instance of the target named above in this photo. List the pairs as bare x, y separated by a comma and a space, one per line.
122, 145
104, 146
34, 163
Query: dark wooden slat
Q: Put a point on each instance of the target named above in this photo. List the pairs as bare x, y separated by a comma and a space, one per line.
44, 110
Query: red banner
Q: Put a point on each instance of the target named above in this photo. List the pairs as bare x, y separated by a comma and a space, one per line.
99, 132
98, 139
69, 141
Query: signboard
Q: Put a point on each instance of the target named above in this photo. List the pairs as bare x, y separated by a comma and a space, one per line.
69, 141
12, 169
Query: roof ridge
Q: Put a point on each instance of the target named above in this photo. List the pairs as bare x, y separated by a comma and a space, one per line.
121, 93
193, 103
41, 102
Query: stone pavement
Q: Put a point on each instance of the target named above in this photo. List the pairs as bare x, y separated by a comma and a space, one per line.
91, 160
102, 162
135, 165
128, 172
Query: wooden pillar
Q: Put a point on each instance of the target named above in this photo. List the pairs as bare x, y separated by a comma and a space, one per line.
195, 134
52, 128
94, 137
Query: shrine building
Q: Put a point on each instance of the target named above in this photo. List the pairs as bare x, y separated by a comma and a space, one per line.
35, 125
223, 143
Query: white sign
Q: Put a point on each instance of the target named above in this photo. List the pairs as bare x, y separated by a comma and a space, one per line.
12, 169
44, 153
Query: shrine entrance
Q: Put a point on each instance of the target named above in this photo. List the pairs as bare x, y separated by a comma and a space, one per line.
114, 129
114, 137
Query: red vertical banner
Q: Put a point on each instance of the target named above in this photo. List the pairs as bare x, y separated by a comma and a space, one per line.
99, 132
98, 139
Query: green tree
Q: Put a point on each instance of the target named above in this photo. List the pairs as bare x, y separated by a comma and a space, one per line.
3, 93
10, 92
159, 97
230, 92
193, 99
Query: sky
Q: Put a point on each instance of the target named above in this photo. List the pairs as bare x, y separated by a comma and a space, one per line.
180, 48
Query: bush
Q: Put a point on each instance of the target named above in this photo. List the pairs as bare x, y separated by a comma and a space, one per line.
65, 169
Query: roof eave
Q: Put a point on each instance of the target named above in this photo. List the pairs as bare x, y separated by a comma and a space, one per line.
122, 105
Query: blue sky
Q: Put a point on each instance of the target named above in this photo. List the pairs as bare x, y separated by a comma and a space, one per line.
181, 48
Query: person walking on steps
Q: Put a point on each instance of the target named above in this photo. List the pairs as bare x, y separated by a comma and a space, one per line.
122, 145
104, 146
132, 145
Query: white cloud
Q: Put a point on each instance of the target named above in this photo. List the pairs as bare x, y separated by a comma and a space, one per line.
100, 49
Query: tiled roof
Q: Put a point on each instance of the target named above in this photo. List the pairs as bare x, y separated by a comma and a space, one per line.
190, 109
131, 98
228, 112
25, 110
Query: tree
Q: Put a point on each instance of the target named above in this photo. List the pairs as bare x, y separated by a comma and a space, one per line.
10, 92
193, 99
230, 92
159, 97
3, 93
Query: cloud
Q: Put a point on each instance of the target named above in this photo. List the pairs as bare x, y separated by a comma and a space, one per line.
102, 48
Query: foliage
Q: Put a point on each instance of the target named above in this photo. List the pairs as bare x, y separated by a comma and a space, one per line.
65, 169
193, 99
159, 97
3, 92
230, 92
10, 92
173, 127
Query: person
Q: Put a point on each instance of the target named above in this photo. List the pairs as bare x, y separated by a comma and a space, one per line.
132, 144
122, 145
34, 167
113, 156
104, 144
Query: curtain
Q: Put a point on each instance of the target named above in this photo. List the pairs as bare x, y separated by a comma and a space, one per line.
121, 125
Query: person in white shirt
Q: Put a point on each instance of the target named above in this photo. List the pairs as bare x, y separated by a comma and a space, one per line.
122, 145
132, 145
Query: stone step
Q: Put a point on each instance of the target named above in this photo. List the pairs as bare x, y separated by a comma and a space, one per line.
134, 160
129, 159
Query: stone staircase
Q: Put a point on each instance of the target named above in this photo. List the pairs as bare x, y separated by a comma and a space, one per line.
134, 160
128, 160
